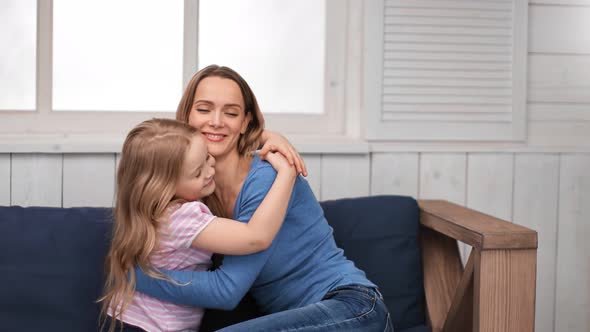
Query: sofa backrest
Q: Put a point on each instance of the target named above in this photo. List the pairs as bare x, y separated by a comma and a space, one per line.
380, 234
51, 267
51, 260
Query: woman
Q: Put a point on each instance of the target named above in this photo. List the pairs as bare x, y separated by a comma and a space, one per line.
303, 281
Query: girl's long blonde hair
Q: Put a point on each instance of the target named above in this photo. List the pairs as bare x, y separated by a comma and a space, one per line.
149, 168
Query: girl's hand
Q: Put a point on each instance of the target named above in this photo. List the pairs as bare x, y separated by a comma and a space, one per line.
276, 142
280, 163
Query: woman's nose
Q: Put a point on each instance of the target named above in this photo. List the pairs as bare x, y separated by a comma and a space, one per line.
215, 120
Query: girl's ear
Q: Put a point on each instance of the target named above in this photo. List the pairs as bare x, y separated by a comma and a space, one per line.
245, 123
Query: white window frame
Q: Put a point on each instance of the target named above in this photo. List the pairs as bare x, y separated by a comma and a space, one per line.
44, 127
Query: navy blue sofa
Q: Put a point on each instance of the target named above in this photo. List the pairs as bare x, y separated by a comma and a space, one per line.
51, 262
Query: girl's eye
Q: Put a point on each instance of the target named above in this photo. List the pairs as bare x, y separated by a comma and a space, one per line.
202, 110
231, 115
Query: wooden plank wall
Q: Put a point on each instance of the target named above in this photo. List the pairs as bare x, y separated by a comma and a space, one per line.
549, 192
558, 93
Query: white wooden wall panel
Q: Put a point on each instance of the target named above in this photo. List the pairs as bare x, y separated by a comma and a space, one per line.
572, 303
558, 74
559, 133
88, 180
394, 174
559, 78
442, 176
560, 2
561, 29
489, 186
535, 206
559, 112
345, 176
314, 172
36, 180
4, 179
489, 183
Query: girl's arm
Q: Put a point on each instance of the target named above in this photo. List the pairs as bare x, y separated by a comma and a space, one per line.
230, 237
224, 287
273, 141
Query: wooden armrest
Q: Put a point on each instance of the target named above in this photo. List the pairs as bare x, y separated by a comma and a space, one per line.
474, 228
495, 291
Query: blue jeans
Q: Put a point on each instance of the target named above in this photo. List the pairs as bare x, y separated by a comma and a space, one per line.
346, 308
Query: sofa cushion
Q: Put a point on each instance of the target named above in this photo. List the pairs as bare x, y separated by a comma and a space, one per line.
380, 234
421, 328
50, 277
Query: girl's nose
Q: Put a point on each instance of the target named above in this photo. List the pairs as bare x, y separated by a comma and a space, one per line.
211, 163
210, 172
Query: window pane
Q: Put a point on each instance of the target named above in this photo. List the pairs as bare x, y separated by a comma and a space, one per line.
277, 46
18, 36
113, 55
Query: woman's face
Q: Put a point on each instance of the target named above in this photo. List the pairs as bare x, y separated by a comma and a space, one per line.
219, 114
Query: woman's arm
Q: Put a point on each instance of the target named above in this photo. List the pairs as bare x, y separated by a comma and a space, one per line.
230, 237
224, 287
273, 141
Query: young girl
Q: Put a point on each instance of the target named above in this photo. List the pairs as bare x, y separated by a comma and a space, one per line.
160, 222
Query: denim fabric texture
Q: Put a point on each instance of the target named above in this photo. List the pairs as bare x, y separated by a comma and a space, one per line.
345, 308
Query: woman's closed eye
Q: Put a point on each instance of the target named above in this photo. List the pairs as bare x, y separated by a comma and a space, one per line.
231, 115
202, 110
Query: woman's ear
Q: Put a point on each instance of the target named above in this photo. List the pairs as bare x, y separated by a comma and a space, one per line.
245, 123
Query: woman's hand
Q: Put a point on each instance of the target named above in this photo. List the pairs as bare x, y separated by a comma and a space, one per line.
280, 163
276, 142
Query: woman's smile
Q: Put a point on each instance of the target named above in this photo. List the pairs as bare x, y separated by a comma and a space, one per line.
214, 137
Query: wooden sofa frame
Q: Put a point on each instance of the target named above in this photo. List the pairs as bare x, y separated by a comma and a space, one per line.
495, 290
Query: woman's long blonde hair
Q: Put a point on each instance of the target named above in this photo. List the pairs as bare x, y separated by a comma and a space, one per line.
149, 168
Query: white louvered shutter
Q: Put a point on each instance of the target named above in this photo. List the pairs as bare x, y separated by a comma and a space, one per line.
445, 70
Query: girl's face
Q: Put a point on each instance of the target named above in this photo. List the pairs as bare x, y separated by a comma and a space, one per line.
219, 114
196, 178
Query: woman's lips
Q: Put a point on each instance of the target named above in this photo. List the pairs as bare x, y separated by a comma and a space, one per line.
214, 137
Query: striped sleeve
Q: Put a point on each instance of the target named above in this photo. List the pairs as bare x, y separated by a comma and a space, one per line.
187, 222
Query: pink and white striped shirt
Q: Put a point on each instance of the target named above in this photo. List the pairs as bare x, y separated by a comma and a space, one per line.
174, 253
